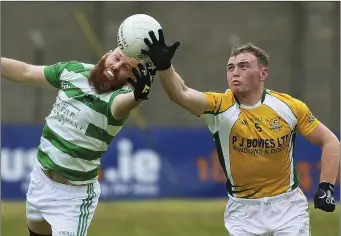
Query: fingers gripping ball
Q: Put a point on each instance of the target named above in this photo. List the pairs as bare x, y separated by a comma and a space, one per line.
133, 31
158, 52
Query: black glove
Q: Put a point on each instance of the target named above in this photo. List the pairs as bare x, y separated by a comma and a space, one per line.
151, 69
324, 197
159, 53
144, 79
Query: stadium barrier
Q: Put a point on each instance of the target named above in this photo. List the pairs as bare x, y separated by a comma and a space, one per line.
155, 163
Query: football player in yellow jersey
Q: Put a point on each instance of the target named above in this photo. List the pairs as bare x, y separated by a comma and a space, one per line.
254, 131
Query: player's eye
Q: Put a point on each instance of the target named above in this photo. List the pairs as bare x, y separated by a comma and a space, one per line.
116, 58
230, 68
243, 66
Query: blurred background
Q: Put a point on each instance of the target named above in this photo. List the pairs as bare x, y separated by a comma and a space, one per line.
302, 38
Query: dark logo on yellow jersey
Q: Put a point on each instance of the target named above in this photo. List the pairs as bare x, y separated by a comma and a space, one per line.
243, 121
274, 123
310, 117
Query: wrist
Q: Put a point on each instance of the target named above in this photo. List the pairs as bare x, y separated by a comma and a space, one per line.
326, 186
163, 67
139, 97
170, 71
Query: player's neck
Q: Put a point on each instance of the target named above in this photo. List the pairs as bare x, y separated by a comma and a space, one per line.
250, 98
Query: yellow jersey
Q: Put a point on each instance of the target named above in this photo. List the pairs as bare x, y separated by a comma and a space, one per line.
255, 144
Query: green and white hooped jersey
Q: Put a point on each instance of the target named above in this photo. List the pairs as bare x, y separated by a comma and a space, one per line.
80, 126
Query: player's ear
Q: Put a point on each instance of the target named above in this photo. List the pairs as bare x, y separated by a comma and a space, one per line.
264, 73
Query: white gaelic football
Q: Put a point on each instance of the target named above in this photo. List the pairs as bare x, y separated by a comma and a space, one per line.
131, 33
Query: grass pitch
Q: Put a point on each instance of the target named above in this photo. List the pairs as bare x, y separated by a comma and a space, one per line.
159, 218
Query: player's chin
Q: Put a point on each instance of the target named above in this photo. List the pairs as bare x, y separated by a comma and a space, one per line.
237, 89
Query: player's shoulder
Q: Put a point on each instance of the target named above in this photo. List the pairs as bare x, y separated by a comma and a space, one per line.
226, 95
77, 66
294, 103
67, 67
284, 97
218, 103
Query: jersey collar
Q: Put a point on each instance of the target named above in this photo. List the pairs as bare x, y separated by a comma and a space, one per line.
255, 105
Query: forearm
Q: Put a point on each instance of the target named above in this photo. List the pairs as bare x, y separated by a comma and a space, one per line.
123, 104
172, 83
14, 70
129, 103
190, 99
330, 160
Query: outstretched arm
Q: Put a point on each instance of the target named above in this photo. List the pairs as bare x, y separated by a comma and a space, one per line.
24, 73
192, 100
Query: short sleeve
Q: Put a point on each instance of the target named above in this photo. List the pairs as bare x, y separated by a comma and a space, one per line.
217, 103
306, 121
123, 90
214, 102
53, 72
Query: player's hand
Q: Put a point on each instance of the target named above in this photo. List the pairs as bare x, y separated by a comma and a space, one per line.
159, 53
324, 197
144, 79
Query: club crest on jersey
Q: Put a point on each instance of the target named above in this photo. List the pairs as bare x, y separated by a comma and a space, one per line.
274, 123
310, 117
64, 85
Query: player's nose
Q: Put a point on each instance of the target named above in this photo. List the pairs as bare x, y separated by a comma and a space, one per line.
115, 66
235, 73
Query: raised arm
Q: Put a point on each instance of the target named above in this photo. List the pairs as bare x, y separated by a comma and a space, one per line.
192, 100
24, 73
161, 54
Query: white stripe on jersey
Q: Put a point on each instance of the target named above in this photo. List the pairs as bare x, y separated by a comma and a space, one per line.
224, 136
282, 109
214, 122
82, 83
71, 134
64, 160
93, 116
287, 114
113, 130
291, 148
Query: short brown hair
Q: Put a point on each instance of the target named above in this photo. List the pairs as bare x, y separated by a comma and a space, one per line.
262, 56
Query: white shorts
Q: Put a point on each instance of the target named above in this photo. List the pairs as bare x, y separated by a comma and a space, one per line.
68, 209
282, 215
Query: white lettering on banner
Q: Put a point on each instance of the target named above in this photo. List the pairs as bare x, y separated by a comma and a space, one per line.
136, 173
16, 165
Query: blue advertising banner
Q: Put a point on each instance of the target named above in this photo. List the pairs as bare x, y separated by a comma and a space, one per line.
159, 162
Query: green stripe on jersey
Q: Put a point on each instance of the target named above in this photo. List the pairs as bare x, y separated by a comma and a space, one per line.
95, 132
78, 67
69, 148
89, 100
72, 175
93, 102
52, 73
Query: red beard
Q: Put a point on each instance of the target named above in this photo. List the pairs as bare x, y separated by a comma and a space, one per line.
100, 81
